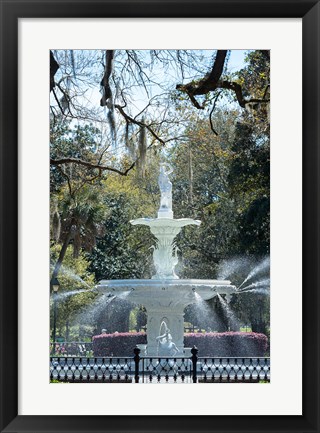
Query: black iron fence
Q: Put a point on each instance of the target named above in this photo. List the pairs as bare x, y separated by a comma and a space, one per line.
83, 369
161, 369
234, 370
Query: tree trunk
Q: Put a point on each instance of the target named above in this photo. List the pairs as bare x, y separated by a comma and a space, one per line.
62, 254
259, 326
67, 330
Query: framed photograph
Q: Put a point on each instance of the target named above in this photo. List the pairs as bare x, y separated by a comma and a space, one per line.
198, 124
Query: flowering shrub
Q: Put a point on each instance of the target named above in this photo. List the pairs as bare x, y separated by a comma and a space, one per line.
117, 344
224, 344
220, 344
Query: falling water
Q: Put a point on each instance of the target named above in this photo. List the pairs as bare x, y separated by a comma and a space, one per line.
203, 307
233, 320
95, 308
205, 312
262, 266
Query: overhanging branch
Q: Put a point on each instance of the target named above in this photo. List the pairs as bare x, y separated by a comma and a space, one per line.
212, 81
100, 167
139, 123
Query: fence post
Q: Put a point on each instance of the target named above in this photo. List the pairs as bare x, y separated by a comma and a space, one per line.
136, 358
194, 360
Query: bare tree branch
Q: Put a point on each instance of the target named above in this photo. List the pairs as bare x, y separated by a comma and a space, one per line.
139, 123
68, 179
211, 112
78, 161
107, 93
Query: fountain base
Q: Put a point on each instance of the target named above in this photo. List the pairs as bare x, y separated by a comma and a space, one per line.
165, 301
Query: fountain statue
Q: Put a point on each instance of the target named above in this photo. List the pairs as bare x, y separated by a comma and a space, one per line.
165, 210
166, 347
165, 295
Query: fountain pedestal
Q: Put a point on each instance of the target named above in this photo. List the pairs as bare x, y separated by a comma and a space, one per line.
165, 256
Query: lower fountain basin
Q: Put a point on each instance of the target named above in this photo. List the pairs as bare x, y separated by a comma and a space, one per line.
165, 301
182, 291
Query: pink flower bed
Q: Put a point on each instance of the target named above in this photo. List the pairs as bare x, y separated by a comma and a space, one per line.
213, 344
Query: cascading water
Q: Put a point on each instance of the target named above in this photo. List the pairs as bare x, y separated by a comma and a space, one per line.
206, 313
95, 308
202, 306
232, 319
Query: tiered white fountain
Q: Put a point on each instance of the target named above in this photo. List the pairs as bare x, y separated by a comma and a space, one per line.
165, 296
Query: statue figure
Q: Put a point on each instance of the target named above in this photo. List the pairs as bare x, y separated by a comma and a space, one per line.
165, 187
166, 346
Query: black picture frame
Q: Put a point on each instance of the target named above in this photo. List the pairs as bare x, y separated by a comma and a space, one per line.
11, 11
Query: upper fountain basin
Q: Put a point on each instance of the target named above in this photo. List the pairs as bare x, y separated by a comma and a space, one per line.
168, 222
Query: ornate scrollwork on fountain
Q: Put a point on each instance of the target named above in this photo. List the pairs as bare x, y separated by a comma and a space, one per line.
165, 260
165, 257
